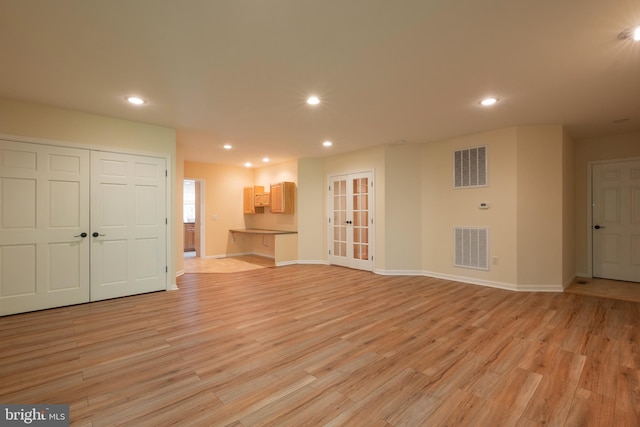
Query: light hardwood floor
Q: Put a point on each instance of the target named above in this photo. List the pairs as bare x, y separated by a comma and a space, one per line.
321, 345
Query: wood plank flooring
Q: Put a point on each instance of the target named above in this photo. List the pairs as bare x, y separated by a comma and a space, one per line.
329, 346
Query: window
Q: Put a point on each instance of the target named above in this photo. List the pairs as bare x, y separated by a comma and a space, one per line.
470, 167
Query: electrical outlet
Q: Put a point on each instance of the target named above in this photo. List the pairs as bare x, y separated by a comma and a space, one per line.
495, 260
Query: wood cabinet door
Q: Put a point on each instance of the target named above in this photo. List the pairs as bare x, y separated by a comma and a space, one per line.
248, 200
283, 197
277, 202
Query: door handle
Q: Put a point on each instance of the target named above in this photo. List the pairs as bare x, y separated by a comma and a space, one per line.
598, 227
83, 235
96, 234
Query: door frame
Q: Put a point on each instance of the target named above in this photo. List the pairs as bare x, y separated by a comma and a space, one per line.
372, 212
170, 283
589, 225
200, 216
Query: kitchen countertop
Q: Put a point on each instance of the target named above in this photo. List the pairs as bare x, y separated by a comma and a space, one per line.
261, 231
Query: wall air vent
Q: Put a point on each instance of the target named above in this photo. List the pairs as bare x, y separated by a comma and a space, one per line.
471, 247
470, 167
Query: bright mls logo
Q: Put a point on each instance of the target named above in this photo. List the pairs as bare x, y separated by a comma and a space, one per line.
34, 415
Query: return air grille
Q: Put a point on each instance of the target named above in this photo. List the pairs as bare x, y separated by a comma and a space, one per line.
471, 247
470, 167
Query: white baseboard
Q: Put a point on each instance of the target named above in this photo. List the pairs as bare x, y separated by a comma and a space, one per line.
398, 272
472, 281
312, 262
475, 281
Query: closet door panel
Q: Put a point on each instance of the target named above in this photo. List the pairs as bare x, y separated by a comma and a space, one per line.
44, 194
129, 220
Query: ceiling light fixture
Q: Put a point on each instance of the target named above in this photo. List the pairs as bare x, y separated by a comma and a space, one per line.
488, 101
135, 100
247, 165
227, 146
265, 159
313, 100
327, 143
630, 34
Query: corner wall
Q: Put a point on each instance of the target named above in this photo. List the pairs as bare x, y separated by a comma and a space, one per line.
568, 210
444, 207
312, 242
540, 207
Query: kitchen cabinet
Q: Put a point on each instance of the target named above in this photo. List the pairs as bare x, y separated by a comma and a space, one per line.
189, 236
262, 199
283, 197
249, 199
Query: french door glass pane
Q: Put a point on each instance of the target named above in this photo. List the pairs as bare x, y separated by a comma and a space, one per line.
360, 209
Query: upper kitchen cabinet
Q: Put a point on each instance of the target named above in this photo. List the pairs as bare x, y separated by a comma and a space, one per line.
283, 197
249, 199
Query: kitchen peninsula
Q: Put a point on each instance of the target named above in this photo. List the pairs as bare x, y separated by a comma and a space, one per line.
282, 244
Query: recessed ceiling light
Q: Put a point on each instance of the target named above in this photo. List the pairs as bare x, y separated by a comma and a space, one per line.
488, 101
327, 143
247, 165
313, 100
630, 34
227, 146
265, 159
135, 100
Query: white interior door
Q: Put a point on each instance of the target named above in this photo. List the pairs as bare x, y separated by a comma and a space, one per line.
616, 220
44, 211
128, 225
351, 220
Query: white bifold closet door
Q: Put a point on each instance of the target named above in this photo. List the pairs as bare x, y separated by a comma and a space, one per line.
78, 225
128, 225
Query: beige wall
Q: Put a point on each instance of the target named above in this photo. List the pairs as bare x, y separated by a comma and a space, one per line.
223, 187
312, 245
223, 198
362, 161
540, 204
537, 190
403, 208
178, 219
68, 127
444, 207
57, 124
568, 209
611, 147
272, 174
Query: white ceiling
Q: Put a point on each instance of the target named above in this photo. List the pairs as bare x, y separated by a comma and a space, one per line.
239, 71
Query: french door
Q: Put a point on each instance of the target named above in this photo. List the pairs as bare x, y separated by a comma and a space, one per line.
616, 220
78, 225
351, 220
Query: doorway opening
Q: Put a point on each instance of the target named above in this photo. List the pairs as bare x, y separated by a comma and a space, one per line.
192, 207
